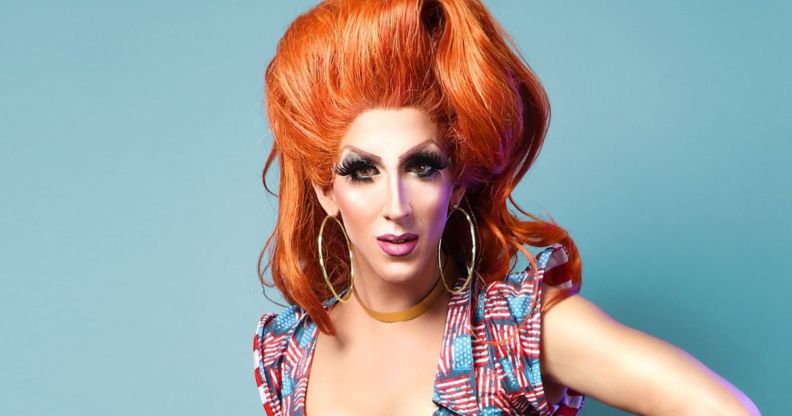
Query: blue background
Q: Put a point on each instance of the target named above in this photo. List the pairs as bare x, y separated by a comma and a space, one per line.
132, 137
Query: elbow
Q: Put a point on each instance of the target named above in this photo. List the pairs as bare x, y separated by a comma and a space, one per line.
736, 404
726, 402
738, 408
727, 410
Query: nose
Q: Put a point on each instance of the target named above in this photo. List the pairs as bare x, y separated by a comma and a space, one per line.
397, 202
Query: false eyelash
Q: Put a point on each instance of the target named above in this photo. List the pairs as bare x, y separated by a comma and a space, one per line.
430, 159
351, 165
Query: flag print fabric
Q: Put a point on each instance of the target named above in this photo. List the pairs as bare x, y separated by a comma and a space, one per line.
472, 378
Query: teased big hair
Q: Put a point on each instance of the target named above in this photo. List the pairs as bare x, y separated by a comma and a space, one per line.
448, 58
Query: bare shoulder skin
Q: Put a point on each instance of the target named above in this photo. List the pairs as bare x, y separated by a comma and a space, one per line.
585, 349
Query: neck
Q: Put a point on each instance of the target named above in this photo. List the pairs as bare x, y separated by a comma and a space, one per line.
422, 295
408, 314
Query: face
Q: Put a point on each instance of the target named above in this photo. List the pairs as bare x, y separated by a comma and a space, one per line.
393, 190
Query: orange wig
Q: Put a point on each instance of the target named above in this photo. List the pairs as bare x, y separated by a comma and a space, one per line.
450, 59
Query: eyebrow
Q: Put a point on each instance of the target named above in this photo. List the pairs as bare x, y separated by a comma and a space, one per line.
408, 154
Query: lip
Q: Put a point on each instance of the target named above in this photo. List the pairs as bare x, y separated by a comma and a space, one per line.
401, 249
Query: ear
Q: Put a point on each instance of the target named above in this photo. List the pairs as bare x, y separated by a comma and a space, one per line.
326, 200
456, 196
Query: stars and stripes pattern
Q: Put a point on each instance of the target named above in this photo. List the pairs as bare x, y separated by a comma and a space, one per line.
489, 362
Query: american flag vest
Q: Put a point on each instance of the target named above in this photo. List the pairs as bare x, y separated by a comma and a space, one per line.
473, 377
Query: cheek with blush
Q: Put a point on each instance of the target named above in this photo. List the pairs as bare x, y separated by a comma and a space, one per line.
357, 211
432, 204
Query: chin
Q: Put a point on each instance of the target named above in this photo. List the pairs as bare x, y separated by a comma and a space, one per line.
399, 273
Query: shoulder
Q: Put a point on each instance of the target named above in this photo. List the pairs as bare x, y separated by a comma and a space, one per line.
273, 331
274, 324
546, 260
512, 308
270, 345
527, 286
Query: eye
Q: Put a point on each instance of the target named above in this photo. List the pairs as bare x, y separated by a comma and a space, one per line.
365, 172
423, 170
427, 164
357, 169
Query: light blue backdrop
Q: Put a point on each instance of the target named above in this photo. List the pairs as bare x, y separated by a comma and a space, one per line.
131, 209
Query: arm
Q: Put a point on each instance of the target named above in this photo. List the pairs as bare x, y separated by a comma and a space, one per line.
584, 349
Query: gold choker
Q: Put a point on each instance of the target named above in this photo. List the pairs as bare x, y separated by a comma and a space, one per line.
410, 313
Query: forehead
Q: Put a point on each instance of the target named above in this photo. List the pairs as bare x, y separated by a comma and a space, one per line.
389, 132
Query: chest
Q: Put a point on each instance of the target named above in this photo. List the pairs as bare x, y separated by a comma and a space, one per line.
394, 378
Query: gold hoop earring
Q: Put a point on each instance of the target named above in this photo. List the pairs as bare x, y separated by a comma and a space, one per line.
472, 260
321, 260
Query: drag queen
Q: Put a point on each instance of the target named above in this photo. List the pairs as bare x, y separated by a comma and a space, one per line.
401, 128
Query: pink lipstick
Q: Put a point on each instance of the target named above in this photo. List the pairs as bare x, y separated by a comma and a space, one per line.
398, 245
